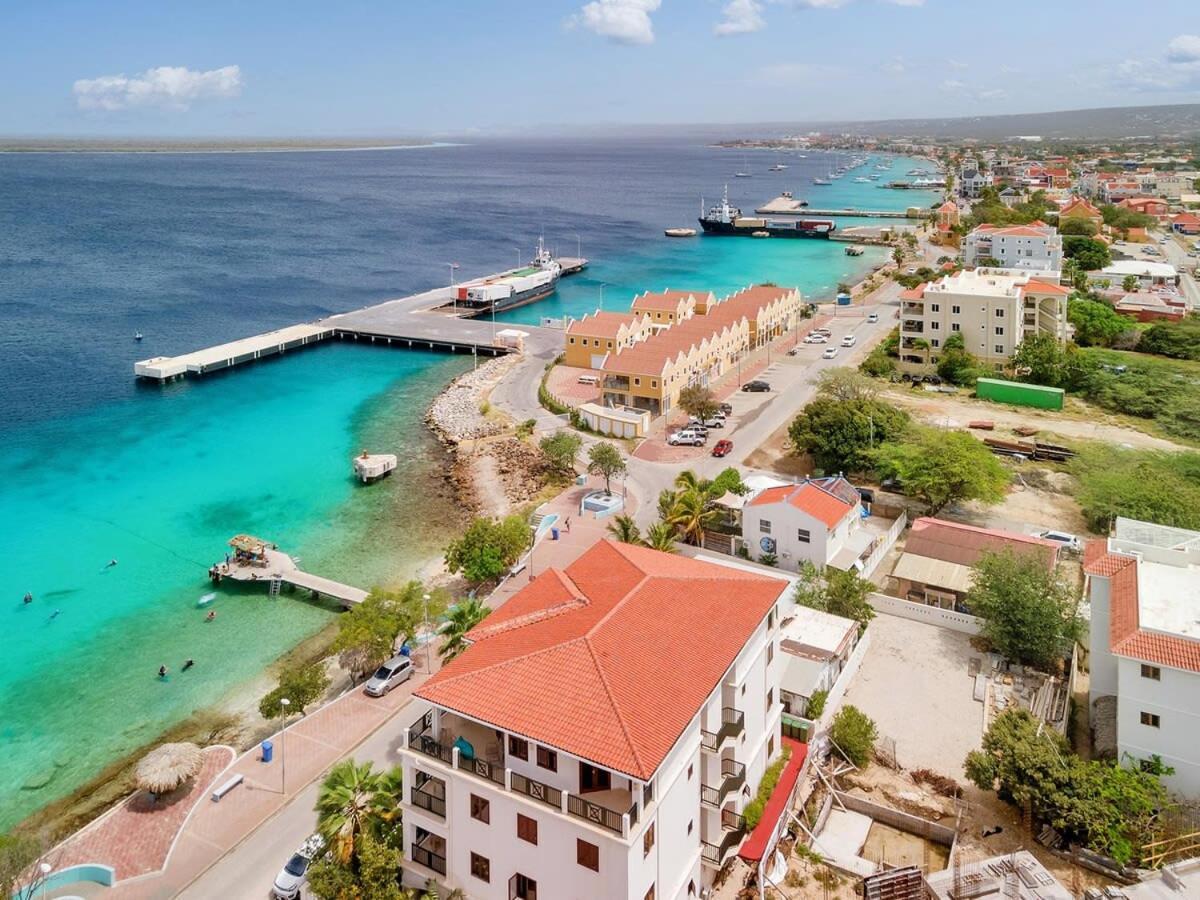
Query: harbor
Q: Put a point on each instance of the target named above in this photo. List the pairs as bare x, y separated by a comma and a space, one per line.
786, 205
255, 561
432, 320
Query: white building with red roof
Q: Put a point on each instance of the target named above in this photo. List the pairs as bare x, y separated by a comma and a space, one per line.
602, 733
1036, 246
1143, 584
818, 520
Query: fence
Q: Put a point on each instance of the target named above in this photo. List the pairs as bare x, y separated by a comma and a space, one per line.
902, 821
871, 563
930, 615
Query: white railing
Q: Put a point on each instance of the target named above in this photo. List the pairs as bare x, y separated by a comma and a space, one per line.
871, 563
931, 615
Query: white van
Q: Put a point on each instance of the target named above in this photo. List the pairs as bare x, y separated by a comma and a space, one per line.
395, 671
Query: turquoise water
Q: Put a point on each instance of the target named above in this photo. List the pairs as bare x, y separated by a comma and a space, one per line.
193, 250
161, 486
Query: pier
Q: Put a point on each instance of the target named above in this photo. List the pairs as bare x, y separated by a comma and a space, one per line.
426, 321
255, 561
787, 206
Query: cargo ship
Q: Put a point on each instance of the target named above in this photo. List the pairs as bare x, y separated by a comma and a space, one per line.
725, 219
513, 288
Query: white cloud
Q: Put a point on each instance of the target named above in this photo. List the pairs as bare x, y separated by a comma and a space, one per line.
1184, 49
741, 17
956, 64
623, 21
814, 4
953, 85
992, 94
895, 66
166, 87
797, 74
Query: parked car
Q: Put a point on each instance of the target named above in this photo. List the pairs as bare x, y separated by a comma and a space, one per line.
873, 317
822, 330
722, 447
396, 670
849, 340
815, 338
294, 874
1069, 542
687, 437
911, 270
830, 353
726, 408
756, 387
717, 420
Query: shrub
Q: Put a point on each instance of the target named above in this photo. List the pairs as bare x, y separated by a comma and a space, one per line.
854, 733
816, 704
754, 809
300, 685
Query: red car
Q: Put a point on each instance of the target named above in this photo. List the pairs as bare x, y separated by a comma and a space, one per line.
722, 447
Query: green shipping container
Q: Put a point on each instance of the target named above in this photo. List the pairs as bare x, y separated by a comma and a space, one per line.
1019, 394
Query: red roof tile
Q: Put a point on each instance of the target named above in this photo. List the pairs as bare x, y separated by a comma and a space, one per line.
1045, 287
810, 498
965, 544
602, 324
611, 659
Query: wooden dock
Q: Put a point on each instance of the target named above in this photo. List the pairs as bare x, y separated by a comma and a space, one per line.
426, 321
279, 569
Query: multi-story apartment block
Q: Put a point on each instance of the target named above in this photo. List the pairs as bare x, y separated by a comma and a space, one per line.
1037, 246
971, 180
592, 338
993, 309
665, 308
1143, 584
602, 733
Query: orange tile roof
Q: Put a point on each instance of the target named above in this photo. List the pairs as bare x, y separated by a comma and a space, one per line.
807, 497
662, 300
917, 293
602, 324
1045, 287
1125, 634
610, 659
1186, 219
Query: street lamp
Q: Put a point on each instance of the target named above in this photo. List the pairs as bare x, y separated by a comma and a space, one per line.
532, 545
518, 249
284, 703
578, 247
45, 868
425, 615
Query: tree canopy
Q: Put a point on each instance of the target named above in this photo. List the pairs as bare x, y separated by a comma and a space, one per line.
956, 364
1150, 485
943, 467
1096, 323
301, 685
1088, 253
854, 734
368, 631
835, 591
1178, 340
488, 548
605, 460
560, 451
698, 400
841, 434
1029, 613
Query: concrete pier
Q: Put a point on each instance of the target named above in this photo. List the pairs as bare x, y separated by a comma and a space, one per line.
277, 569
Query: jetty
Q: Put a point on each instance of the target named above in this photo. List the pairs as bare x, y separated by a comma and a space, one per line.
427, 321
787, 206
257, 561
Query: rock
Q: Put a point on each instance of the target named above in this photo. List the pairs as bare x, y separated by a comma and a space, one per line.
454, 415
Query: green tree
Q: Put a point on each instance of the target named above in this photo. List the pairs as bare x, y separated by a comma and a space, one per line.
1042, 357
842, 383
728, 481
1129, 283
854, 733
816, 704
1178, 340
661, 537
691, 515
1077, 225
301, 685
355, 802
898, 255
605, 460
1148, 485
1029, 613
462, 617
943, 467
840, 435
488, 548
625, 530
19, 850
368, 631
1096, 323
835, 591
955, 364
1088, 253
1104, 806
560, 451
697, 400
376, 877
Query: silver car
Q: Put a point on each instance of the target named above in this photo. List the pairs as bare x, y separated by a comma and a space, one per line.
396, 670
294, 875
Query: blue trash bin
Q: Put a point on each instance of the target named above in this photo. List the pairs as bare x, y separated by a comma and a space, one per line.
268, 751
554, 534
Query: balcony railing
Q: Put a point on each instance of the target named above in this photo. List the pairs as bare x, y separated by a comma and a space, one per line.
429, 859
733, 723
910, 326
585, 809
733, 821
717, 854
616, 382
733, 776
535, 790
426, 743
481, 767
428, 802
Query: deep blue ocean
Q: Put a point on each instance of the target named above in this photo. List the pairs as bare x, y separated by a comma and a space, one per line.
197, 249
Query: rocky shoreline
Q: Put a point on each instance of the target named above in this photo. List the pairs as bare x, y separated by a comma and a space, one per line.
458, 413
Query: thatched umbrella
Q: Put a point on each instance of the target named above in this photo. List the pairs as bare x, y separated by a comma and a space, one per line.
167, 767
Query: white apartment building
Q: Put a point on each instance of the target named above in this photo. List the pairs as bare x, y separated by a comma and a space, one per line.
816, 521
993, 309
601, 735
1143, 584
1036, 247
971, 181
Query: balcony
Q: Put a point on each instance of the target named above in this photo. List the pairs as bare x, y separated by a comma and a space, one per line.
733, 776
912, 326
429, 794
909, 307
429, 850
616, 382
535, 790
604, 808
716, 855
733, 723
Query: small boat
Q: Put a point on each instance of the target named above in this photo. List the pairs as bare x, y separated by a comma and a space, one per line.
206, 599
760, 234
778, 167
680, 232
862, 179
137, 335
854, 250
822, 181
741, 175
372, 466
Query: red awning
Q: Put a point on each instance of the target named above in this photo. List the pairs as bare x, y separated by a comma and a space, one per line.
755, 846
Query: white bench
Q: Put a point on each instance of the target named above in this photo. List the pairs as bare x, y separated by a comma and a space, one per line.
227, 787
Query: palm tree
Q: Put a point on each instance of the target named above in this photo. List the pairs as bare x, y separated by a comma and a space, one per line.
687, 481
692, 514
666, 503
625, 530
355, 800
661, 536
464, 616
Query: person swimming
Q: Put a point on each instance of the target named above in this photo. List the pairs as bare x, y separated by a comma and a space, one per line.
162, 672
54, 615
111, 563
212, 614
187, 665
28, 596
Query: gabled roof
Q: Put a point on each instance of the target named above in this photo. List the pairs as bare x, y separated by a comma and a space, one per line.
603, 324
610, 659
1044, 287
917, 293
965, 544
1078, 204
815, 499
661, 300
1186, 218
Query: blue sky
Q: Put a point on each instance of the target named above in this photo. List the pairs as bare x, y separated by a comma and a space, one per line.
404, 67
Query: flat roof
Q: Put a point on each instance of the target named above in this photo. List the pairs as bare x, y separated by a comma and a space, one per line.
1140, 267
812, 628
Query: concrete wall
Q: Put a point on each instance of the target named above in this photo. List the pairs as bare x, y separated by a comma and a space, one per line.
931, 615
1175, 699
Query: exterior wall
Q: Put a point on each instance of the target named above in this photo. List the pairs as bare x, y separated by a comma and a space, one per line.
786, 521
1015, 251
932, 615
1175, 699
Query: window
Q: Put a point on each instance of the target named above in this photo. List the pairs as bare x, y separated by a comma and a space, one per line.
770, 699
647, 793
518, 748
654, 383
570, 340
764, 526
770, 652
691, 823
587, 855
770, 747
481, 867
648, 838
935, 326
935, 343
1150, 719
610, 345
771, 618
481, 809
956, 310
999, 331
934, 307
1151, 672
527, 828
999, 348
1000, 312
954, 326
522, 887
803, 535
637, 381
692, 888
547, 758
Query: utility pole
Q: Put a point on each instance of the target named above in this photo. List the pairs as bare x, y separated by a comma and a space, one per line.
428, 638
284, 703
